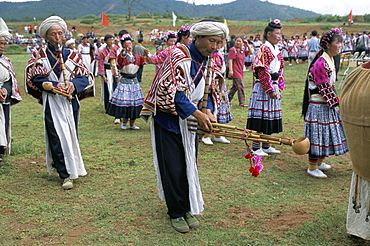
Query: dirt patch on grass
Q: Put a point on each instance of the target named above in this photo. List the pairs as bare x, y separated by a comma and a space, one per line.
5, 210
284, 219
32, 161
37, 164
238, 216
77, 232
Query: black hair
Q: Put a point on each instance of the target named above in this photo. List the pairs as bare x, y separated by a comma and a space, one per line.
122, 32
172, 35
270, 28
241, 37
326, 39
181, 34
125, 39
108, 36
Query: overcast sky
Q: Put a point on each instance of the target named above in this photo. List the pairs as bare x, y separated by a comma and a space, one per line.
334, 7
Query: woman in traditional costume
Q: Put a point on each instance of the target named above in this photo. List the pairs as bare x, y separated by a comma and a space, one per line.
71, 44
355, 112
9, 92
181, 37
303, 49
87, 53
323, 125
184, 36
127, 99
161, 54
264, 113
221, 98
292, 50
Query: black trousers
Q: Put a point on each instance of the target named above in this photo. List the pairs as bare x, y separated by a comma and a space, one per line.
106, 96
55, 144
172, 167
6, 109
106, 93
139, 73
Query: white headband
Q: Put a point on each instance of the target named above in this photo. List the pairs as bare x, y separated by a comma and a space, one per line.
49, 22
210, 28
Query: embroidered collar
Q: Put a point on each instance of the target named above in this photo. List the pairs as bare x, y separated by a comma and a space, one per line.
131, 58
329, 60
274, 50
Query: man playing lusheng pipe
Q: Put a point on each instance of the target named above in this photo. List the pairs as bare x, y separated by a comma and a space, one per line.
173, 97
60, 114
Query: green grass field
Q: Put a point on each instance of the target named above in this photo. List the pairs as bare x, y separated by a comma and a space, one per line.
117, 202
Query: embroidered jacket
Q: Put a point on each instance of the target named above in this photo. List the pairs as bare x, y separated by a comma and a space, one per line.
268, 61
323, 77
76, 69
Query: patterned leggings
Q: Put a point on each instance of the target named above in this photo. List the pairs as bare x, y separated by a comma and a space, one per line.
238, 85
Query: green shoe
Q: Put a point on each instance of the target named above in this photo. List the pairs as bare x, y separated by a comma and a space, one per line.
67, 184
191, 220
54, 172
180, 224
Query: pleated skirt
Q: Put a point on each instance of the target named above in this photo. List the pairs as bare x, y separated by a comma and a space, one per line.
323, 127
224, 115
126, 102
264, 113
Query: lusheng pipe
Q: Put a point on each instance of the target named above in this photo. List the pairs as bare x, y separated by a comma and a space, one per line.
204, 101
59, 90
300, 145
61, 61
62, 91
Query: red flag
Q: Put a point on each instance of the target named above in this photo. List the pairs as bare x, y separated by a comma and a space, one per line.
350, 18
104, 19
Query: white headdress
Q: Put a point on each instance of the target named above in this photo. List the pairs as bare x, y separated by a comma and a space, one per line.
49, 22
210, 28
70, 41
4, 31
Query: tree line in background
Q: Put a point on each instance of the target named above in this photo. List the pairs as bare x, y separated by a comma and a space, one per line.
336, 18
91, 19
247, 10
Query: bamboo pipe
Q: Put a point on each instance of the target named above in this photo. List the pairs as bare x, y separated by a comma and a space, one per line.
50, 87
62, 66
239, 136
285, 140
206, 86
300, 145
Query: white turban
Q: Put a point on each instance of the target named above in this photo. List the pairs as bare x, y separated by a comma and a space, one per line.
210, 28
49, 22
70, 41
4, 31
